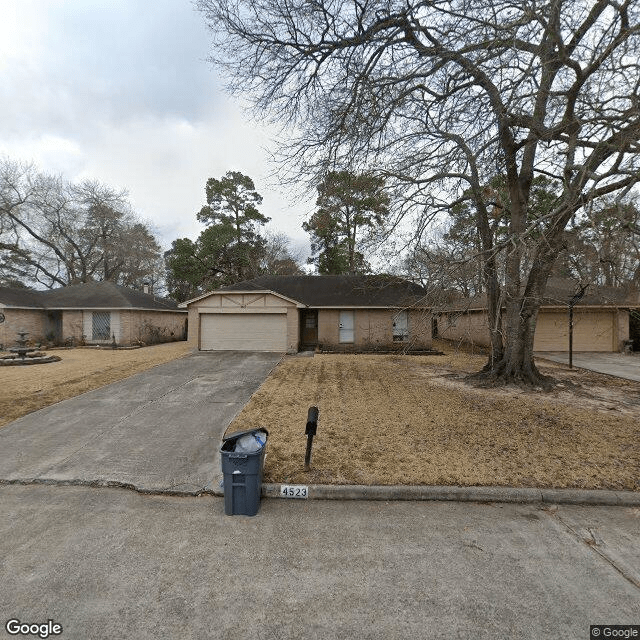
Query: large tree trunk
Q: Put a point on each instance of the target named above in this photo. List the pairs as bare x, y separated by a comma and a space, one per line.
515, 364
511, 358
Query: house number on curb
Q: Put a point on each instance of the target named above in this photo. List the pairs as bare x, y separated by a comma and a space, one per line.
294, 491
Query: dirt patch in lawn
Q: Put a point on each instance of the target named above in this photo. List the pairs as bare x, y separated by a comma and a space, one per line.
414, 420
27, 389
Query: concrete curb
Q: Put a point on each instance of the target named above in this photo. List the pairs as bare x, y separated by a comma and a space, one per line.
464, 494
378, 492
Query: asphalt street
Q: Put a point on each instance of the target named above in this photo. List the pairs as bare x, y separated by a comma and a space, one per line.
111, 563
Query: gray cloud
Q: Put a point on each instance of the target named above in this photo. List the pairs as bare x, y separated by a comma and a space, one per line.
119, 91
107, 63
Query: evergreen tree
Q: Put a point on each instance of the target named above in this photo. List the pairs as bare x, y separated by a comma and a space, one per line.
347, 203
231, 213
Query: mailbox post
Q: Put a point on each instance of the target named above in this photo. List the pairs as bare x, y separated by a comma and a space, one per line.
576, 298
310, 431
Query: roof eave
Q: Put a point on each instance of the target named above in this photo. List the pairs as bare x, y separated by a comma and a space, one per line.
4, 305
110, 308
562, 307
369, 306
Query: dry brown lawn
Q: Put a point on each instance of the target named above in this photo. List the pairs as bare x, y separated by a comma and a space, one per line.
26, 389
414, 420
397, 419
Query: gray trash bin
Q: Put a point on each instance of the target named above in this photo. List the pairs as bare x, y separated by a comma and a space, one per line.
242, 476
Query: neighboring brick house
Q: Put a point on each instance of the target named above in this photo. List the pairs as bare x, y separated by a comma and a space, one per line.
604, 319
95, 313
289, 313
21, 310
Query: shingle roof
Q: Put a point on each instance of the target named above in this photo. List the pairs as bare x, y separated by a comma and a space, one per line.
560, 290
558, 293
338, 291
21, 298
92, 295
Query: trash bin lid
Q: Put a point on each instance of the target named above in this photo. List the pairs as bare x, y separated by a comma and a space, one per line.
239, 434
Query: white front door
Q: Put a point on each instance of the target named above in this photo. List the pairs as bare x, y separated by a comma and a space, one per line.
347, 324
401, 327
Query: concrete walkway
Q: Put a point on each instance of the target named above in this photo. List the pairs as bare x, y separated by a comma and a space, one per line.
159, 430
613, 364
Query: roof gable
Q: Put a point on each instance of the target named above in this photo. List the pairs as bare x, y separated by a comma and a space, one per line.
251, 291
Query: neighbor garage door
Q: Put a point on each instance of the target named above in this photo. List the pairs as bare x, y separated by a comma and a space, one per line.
243, 332
592, 331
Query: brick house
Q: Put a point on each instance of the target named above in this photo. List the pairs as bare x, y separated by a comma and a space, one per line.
605, 319
289, 313
96, 313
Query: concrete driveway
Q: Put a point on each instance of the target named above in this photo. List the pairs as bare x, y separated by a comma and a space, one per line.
613, 364
159, 430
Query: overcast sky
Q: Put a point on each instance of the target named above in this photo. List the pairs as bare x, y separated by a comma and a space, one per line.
119, 91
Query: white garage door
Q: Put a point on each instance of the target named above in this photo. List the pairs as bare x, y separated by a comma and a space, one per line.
243, 331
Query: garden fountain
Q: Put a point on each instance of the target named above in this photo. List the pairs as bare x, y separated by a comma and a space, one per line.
22, 354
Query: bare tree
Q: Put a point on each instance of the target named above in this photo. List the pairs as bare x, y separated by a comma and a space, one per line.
54, 233
603, 248
278, 258
440, 96
444, 268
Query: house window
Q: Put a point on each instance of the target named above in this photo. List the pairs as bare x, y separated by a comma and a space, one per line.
401, 327
101, 329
